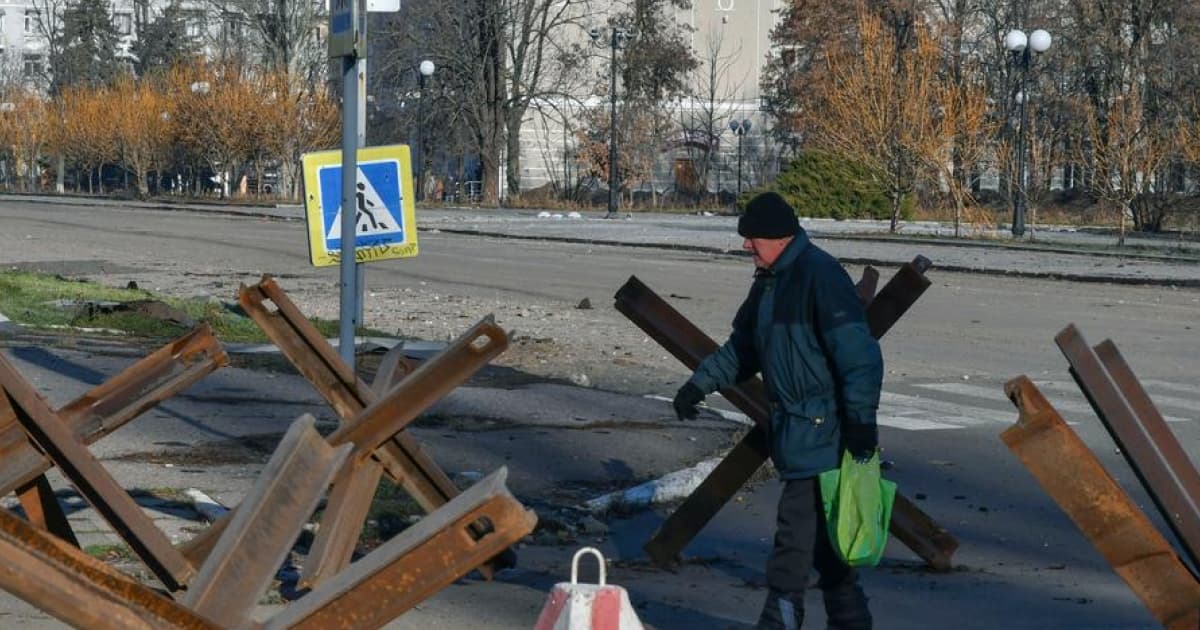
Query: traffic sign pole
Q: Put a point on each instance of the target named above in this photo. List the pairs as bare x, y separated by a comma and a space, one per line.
349, 285
346, 41
361, 73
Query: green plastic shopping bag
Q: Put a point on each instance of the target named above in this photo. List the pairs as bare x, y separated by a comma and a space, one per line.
858, 508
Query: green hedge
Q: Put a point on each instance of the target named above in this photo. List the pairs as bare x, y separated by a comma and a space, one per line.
823, 184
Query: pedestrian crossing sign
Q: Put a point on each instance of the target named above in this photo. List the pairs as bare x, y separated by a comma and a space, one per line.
385, 219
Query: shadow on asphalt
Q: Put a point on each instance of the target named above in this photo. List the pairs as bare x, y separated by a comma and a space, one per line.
84, 374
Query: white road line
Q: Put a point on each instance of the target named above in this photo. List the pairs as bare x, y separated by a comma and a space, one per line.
966, 415
1189, 406
1151, 383
912, 424
996, 393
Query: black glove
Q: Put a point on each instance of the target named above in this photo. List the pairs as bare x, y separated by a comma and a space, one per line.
686, 400
861, 440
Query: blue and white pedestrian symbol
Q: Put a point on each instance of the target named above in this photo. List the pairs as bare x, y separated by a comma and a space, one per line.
378, 217
385, 221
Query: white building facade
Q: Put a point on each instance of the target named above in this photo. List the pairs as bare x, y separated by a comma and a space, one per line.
731, 40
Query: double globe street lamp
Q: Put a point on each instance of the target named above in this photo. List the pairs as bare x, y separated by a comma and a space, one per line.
740, 128
617, 37
1022, 48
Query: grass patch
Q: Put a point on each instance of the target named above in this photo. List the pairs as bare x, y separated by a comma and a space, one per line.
109, 552
391, 513
34, 301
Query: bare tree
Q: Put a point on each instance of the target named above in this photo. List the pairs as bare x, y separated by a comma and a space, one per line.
711, 104
282, 34
1127, 151
494, 59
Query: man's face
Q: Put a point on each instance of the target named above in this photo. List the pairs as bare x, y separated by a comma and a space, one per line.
766, 250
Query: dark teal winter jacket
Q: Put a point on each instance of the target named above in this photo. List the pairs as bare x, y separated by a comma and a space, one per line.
803, 327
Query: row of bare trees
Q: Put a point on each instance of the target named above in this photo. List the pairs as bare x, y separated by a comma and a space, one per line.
194, 120
924, 94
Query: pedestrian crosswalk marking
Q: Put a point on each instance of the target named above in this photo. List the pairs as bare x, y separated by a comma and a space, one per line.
1063, 405
949, 405
884, 419
373, 217
1161, 401
944, 411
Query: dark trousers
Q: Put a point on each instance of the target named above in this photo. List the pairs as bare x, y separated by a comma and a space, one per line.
801, 544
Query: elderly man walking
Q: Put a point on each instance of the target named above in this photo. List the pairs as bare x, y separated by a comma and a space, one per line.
804, 330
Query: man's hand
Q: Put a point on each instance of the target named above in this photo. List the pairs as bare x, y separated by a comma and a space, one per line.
861, 440
686, 400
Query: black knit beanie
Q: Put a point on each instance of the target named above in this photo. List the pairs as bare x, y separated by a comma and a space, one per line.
768, 216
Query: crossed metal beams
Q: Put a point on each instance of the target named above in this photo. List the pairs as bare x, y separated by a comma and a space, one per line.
218, 577
690, 345
1072, 475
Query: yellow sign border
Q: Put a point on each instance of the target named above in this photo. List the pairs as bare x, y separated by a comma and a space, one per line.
319, 255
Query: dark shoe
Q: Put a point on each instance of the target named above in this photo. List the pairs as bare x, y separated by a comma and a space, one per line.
782, 612
847, 609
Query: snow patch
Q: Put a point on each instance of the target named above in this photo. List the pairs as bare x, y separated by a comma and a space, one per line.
206, 505
670, 487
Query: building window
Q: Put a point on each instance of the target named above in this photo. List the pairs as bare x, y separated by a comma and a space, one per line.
32, 66
31, 20
124, 23
231, 26
195, 24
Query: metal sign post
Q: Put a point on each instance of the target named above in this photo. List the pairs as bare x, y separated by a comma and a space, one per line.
348, 40
345, 41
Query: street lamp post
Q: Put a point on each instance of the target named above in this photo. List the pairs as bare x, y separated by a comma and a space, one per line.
425, 70
618, 37
1022, 48
740, 128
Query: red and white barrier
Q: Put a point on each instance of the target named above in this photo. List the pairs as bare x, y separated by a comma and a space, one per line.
575, 606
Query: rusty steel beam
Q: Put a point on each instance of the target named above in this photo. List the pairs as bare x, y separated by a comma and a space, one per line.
1077, 481
393, 368
42, 508
867, 285
151, 380
387, 416
428, 384
261, 535
79, 589
1140, 432
91, 479
108, 406
690, 345
341, 522
303, 345
897, 296
417, 563
375, 426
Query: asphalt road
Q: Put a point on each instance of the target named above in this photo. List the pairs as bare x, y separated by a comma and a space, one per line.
991, 327
1022, 563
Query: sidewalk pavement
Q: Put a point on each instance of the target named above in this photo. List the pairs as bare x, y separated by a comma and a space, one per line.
1067, 253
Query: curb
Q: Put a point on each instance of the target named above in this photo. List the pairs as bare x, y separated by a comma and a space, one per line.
875, 262
247, 211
